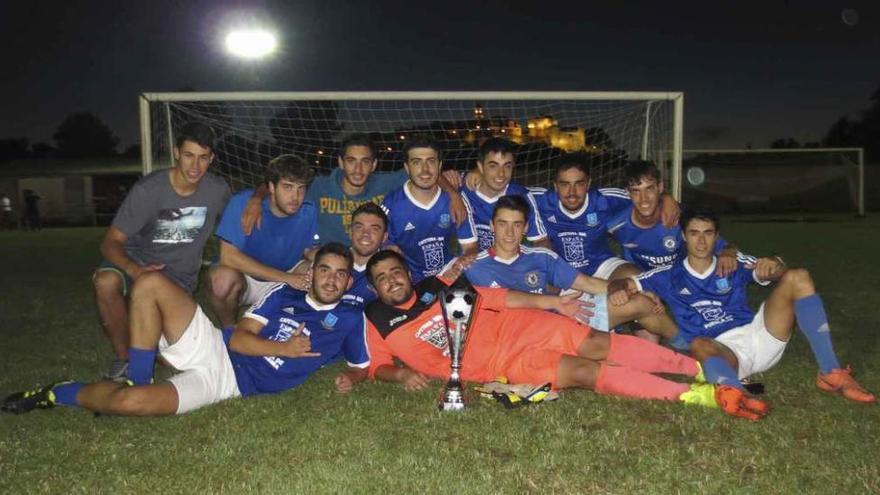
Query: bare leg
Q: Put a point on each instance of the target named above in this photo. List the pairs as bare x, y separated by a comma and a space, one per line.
112, 310
654, 326
158, 306
225, 289
118, 399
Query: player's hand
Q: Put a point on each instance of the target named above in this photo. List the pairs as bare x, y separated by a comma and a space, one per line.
658, 308
670, 211
458, 266
473, 179
453, 178
767, 268
299, 345
252, 215
572, 306
344, 383
412, 380
726, 263
142, 269
299, 281
457, 209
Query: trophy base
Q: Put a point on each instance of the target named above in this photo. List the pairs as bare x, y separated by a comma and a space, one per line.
451, 400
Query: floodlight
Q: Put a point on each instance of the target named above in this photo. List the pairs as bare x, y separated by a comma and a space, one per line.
255, 43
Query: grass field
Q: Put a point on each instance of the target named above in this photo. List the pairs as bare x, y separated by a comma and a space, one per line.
381, 439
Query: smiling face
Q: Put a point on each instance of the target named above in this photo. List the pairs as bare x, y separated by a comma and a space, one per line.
497, 170
572, 185
509, 227
645, 196
367, 234
191, 160
392, 281
330, 278
423, 166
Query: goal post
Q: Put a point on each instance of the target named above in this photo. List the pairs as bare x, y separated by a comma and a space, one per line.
252, 127
776, 180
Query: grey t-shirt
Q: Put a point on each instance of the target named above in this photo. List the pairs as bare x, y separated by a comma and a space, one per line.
164, 227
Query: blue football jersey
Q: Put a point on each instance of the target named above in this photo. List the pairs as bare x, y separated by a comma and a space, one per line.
703, 304
361, 292
580, 237
531, 271
649, 248
482, 207
280, 241
422, 232
332, 328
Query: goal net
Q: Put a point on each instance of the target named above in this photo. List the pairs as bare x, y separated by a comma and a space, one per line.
252, 128
775, 181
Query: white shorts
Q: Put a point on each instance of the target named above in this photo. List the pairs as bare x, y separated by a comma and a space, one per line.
206, 372
755, 348
254, 290
608, 266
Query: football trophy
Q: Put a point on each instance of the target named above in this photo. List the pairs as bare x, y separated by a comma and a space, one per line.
457, 302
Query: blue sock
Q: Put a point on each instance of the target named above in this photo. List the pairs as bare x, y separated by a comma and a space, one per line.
65, 393
811, 319
718, 370
140, 365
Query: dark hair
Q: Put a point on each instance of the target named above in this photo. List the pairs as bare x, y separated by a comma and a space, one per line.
496, 145
357, 139
382, 255
512, 202
699, 214
636, 170
289, 167
370, 208
196, 132
419, 141
337, 249
580, 161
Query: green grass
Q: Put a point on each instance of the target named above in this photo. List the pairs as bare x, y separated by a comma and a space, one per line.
381, 439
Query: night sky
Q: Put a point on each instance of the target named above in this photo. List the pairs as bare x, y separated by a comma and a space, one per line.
751, 71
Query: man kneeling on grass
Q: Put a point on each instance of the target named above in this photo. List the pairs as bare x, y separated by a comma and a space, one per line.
510, 337
281, 340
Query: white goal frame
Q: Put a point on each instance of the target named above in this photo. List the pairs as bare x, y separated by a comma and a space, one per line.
677, 98
860, 152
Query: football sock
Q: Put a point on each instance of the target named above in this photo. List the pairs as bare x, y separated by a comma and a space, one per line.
618, 380
65, 393
639, 354
140, 365
813, 322
718, 370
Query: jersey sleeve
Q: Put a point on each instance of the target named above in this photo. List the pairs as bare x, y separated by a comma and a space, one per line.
467, 231
267, 306
720, 244
536, 230
229, 228
748, 275
379, 351
491, 298
354, 348
388, 181
617, 198
562, 274
136, 211
656, 280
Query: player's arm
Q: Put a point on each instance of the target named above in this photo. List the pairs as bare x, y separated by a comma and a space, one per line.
726, 260
253, 209
456, 205
232, 257
346, 380
246, 340
590, 285
410, 379
620, 290
113, 250
568, 305
768, 269
670, 210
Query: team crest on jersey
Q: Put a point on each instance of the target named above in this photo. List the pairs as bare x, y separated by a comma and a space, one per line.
433, 256
592, 219
532, 279
670, 243
722, 285
329, 320
573, 249
445, 221
427, 298
433, 332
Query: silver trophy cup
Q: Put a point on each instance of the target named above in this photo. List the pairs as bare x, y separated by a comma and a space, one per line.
458, 305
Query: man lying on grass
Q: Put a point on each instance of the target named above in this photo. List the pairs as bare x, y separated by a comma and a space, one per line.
714, 318
510, 337
281, 340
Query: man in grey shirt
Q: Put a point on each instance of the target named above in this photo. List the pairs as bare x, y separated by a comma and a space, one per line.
162, 226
